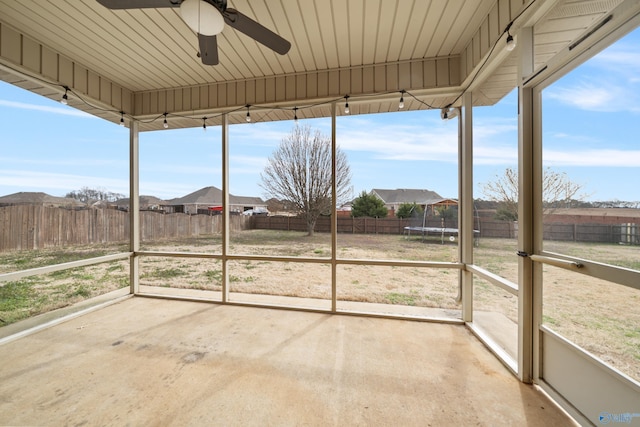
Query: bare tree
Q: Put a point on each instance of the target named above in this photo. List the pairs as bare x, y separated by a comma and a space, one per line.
299, 171
557, 189
91, 195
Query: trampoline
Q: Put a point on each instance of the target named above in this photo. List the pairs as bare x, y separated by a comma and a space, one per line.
450, 233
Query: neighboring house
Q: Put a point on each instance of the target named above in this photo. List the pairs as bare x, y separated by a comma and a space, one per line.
210, 199
147, 203
427, 199
42, 199
345, 209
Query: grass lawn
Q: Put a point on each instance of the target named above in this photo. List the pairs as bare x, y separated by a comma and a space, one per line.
600, 316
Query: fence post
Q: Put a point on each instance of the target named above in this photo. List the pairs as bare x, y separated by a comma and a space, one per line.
611, 237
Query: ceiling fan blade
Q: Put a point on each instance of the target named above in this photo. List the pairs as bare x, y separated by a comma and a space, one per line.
259, 33
208, 49
139, 4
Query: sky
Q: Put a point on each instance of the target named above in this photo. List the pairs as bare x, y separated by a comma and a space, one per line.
591, 133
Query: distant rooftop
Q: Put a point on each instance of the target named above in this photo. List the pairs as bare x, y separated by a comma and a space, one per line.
39, 198
213, 195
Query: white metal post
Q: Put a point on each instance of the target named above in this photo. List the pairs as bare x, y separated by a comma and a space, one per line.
334, 211
526, 201
134, 207
537, 231
225, 207
465, 205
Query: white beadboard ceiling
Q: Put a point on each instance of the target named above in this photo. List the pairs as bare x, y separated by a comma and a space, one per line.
143, 61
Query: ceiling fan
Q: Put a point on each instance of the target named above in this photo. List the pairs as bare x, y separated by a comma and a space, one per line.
207, 19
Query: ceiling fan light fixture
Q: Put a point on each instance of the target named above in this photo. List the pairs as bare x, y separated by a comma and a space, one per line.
202, 17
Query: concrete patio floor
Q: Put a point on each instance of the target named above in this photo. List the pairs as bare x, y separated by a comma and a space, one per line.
146, 361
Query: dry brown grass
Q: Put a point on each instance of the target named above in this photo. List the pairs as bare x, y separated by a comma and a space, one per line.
600, 316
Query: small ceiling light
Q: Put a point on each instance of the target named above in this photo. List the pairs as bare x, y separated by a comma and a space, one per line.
121, 118
204, 124
448, 113
165, 124
511, 43
401, 104
65, 99
202, 17
248, 115
346, 104
295, 114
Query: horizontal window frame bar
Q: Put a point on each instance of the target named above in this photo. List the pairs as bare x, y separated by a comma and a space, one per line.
17, 275
611, 273
494, 279
309, 260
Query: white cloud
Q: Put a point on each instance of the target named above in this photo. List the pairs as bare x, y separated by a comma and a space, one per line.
401, 142
622, 58
181, 169
600, 96
593, 158
59, 183
246, 164
495, 140
260, 134
605, 83
432, 141
63, 161
483, 155
47, 109
501, 128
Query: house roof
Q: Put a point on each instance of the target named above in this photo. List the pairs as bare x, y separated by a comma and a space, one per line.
207, 195
442, 201
144, 201
143, 62
40, 198
406, 195
213, 196
246, 200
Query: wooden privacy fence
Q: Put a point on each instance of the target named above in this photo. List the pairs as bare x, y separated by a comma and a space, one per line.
34, 227
323, 224
627, 233
358, 225
490, 227
25, 227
